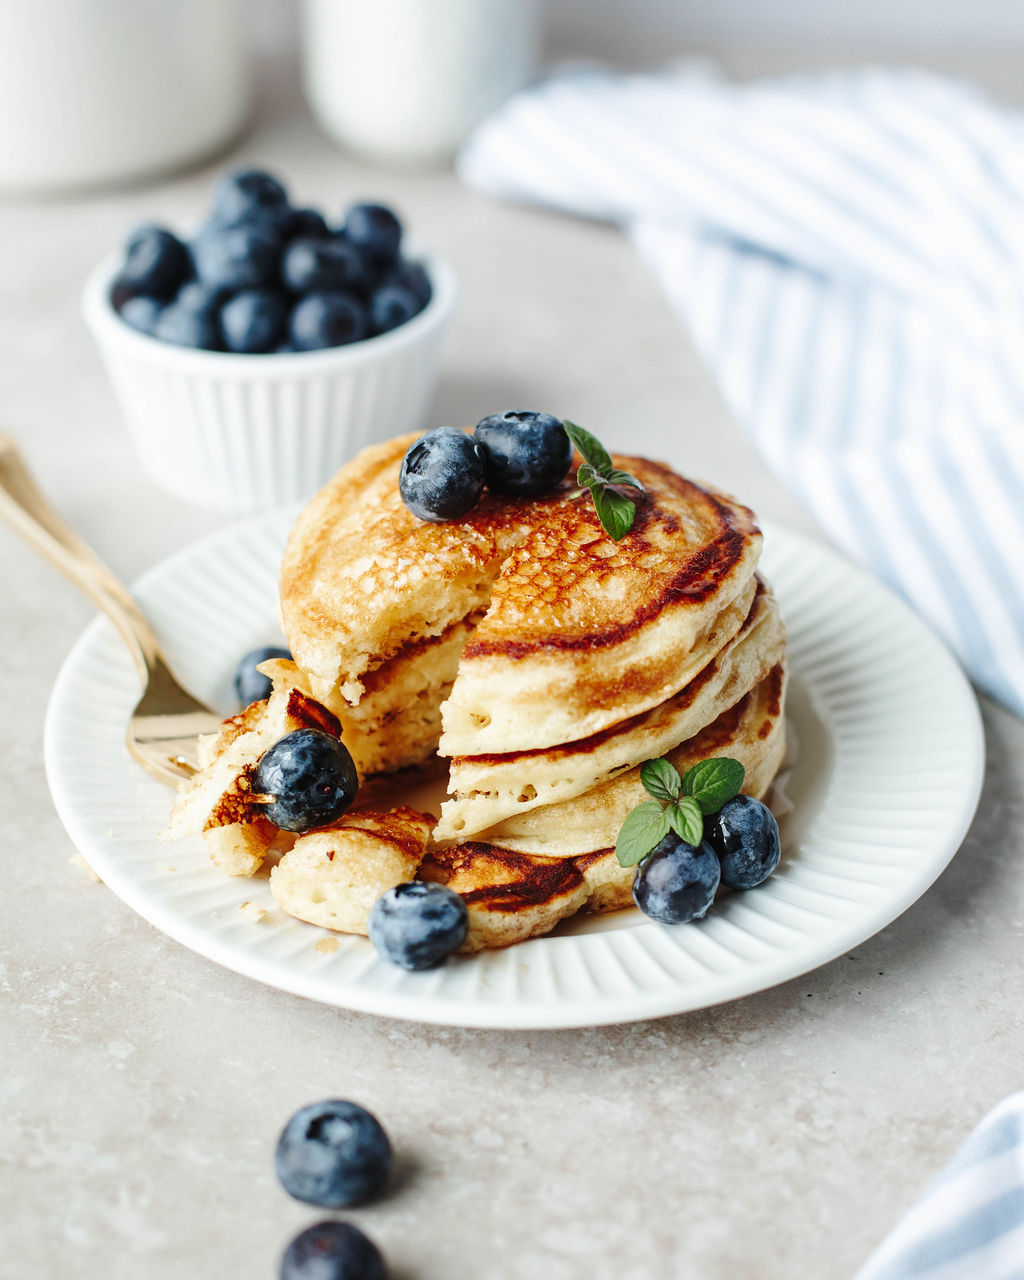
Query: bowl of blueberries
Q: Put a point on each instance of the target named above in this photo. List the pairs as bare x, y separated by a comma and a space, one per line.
255, 355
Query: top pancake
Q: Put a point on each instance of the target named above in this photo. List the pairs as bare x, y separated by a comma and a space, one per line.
579, 632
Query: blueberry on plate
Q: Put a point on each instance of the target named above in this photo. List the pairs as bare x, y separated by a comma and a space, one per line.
418, 925
525, 453
156, 263
326, 320
254, 321
250, 195
442, 475
142, 313
332, 1251
375, 231
252, 685
678, 882
191, 320
315, 266
308, 223
745, 836
312, 777
333, 1154
243, 257
390, 306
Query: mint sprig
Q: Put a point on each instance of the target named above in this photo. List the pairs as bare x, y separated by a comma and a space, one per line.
677, 804
615, 511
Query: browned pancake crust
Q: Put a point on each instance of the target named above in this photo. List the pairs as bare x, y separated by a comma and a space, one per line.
499, 879
548, 576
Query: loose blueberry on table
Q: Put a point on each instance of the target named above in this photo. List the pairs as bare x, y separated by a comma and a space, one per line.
332, 1251
333, 1154
418, 925
310, 779
261, 277
251, 685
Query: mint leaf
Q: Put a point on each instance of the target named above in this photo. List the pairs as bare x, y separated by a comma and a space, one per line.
623, 477
615, 512
686, 820
712, 782
588, 476
661, 779
592, 449
644, 827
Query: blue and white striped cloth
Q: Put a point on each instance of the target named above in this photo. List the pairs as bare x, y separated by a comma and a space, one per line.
969, 1223
847, 250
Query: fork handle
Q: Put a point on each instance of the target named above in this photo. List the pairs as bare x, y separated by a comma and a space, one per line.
23, 507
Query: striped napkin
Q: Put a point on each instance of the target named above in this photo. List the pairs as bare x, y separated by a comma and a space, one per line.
847, 250
969, 1224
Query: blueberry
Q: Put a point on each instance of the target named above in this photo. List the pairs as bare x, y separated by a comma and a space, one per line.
442, 475
250, 195
141, 313
200, 297
307, 223
252, 685
375, 231
242, 257
333, 1154
332, 1251
390, 306
412, 276
677, 882
745, 836
156, 263
526, 453
310, 266
312, 776
418, 925
326, 320
190, 321
254, 321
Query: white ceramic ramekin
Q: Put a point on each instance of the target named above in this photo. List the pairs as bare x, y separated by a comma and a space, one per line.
239, 433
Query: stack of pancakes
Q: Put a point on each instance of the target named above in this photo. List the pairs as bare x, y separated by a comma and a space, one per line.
543, 661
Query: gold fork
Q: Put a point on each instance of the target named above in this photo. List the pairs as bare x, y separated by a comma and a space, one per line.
163, 727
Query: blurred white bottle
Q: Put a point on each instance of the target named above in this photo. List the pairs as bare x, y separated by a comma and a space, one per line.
406, 80
109, 90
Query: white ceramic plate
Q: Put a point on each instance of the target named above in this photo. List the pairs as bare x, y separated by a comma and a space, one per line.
887, 779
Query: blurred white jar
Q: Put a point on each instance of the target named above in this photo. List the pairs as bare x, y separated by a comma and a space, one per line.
406, 80
96, 91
